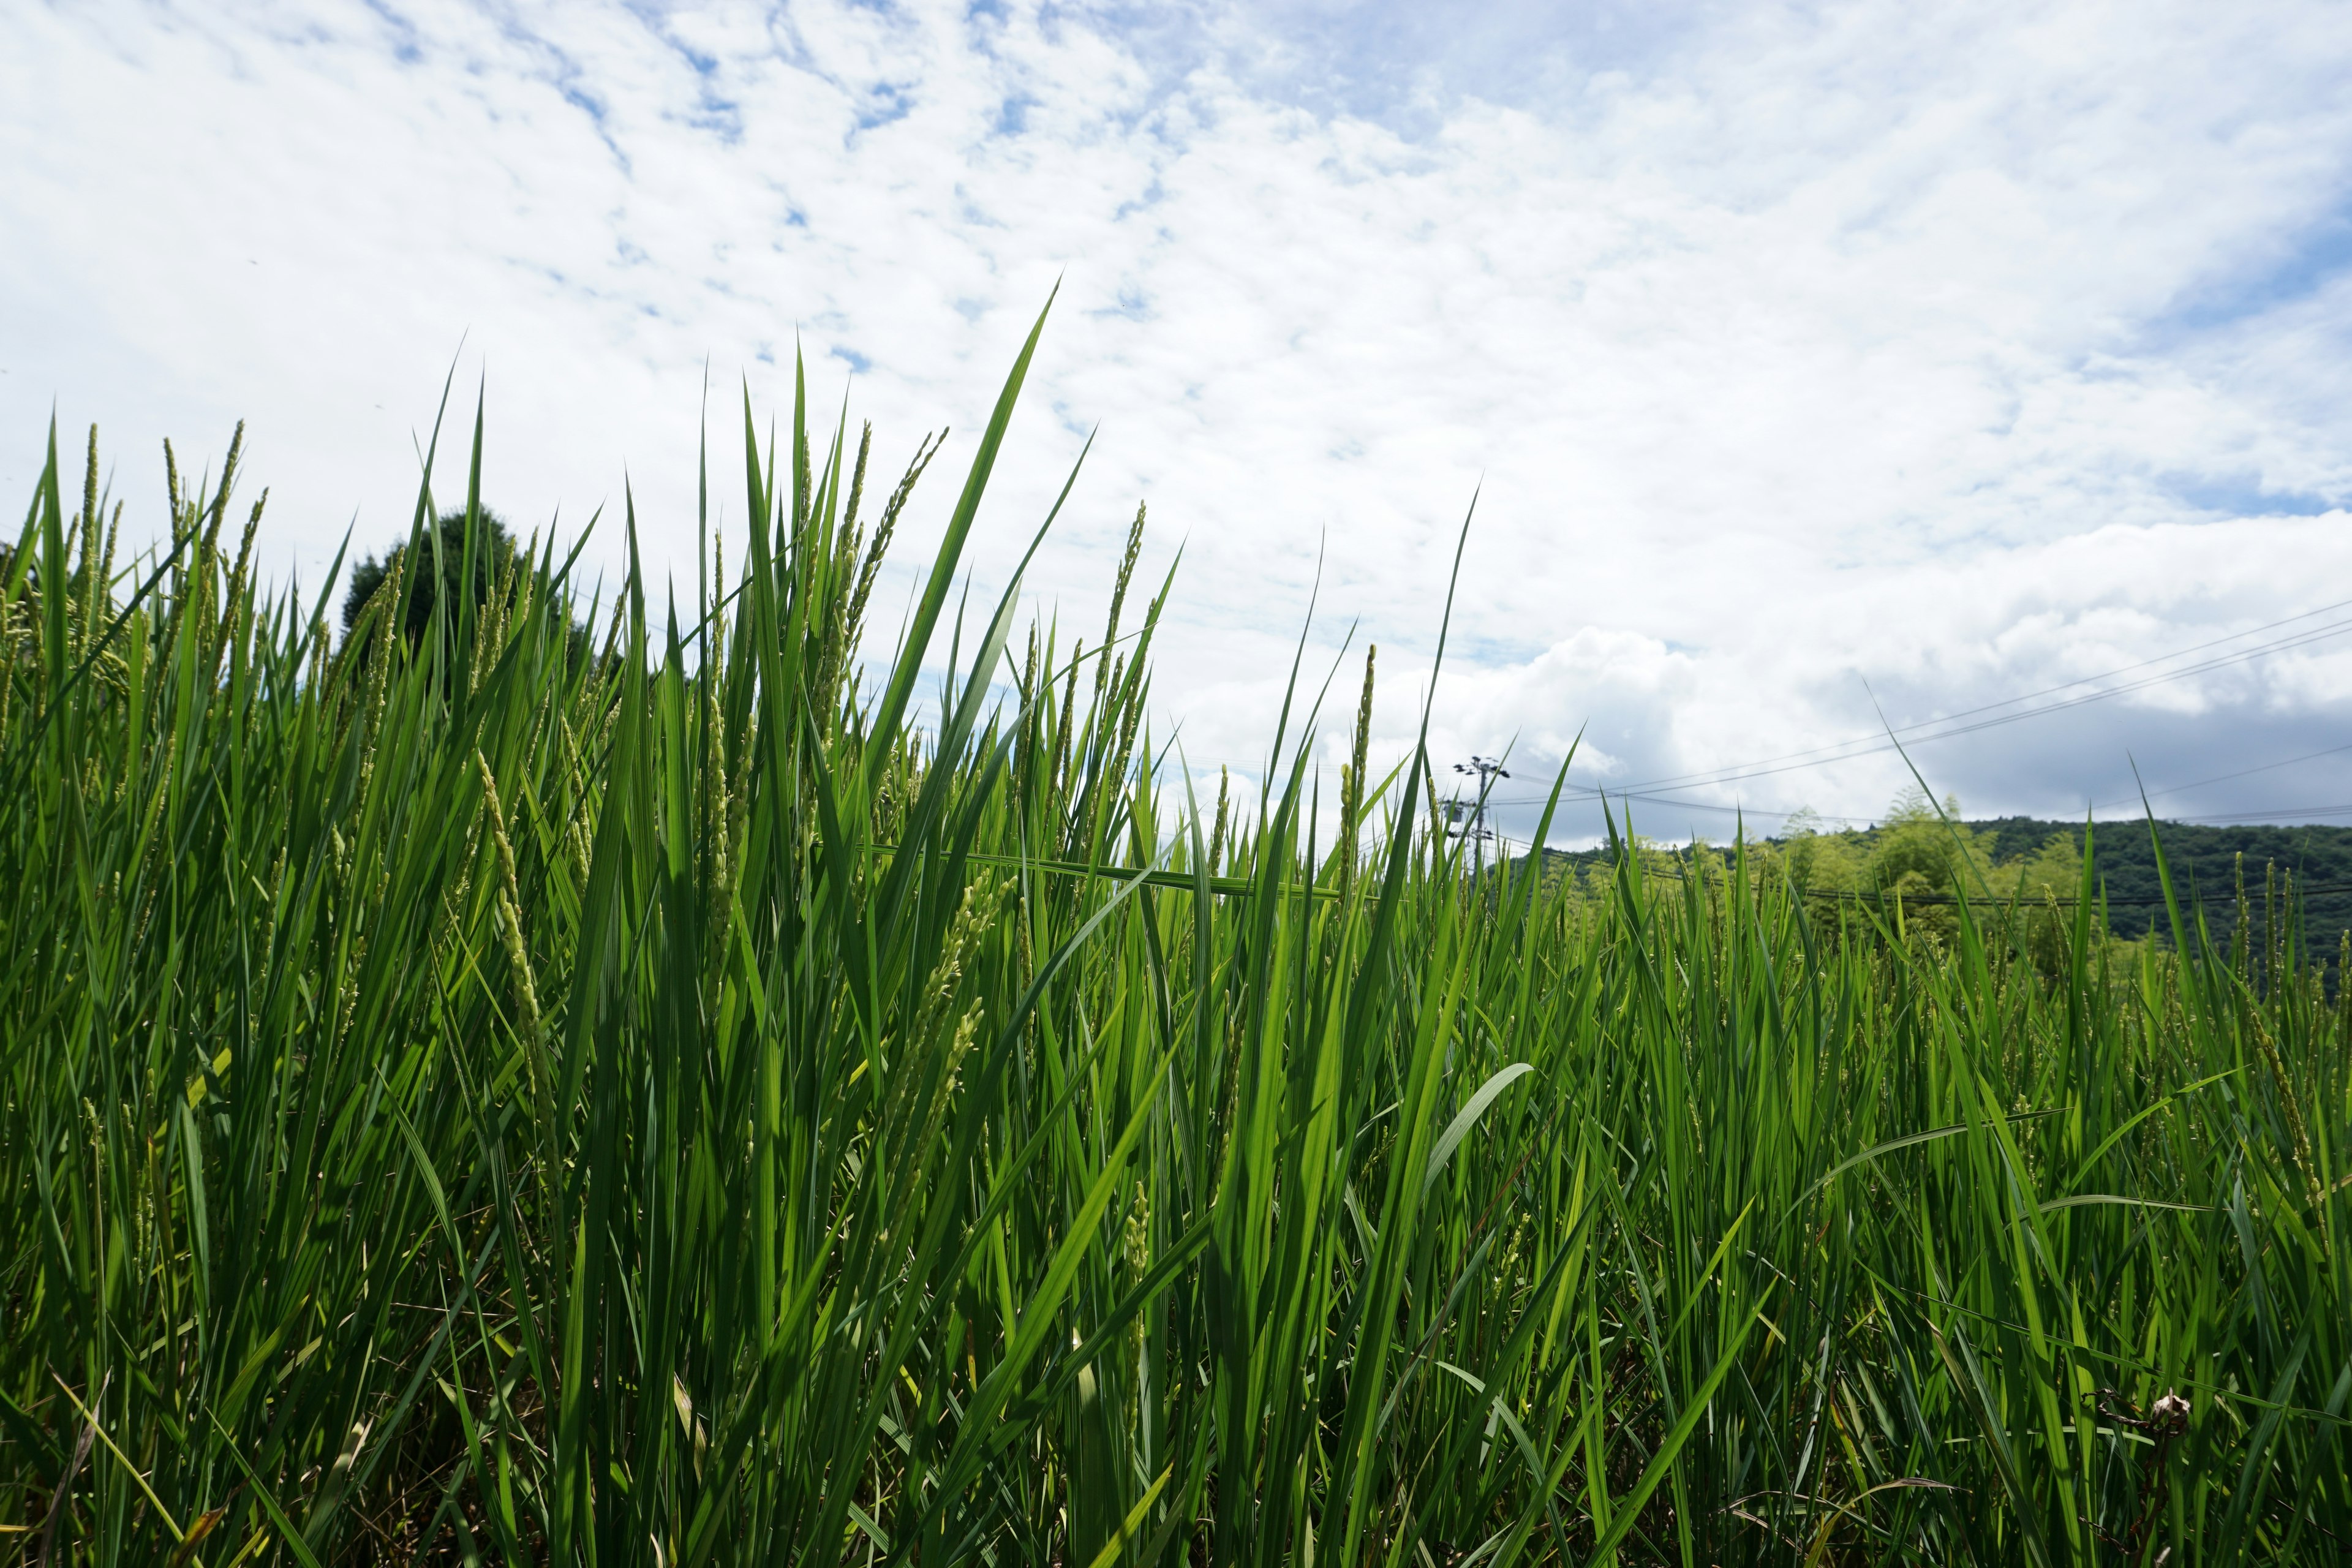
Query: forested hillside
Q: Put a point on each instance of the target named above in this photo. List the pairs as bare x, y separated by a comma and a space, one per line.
2314, 861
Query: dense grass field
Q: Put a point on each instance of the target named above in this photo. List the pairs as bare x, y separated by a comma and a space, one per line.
639, 1099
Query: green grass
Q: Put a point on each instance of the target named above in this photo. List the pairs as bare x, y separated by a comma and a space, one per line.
656, 1105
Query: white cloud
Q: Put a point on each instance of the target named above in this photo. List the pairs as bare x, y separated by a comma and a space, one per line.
1961, 353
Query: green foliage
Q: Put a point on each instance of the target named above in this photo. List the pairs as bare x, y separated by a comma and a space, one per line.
479, 567
2210, 864
2285, 887
452, 561
491, 1105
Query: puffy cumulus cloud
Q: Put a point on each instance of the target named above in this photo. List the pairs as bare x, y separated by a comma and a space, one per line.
1820, 368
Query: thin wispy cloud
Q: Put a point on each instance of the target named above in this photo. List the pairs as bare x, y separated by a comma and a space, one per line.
1815, 361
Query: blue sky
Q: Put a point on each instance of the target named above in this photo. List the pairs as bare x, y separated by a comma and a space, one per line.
1812, 363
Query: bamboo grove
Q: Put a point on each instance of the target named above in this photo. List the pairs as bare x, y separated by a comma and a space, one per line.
644, 1099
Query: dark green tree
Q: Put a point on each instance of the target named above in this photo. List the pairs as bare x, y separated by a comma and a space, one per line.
493, 549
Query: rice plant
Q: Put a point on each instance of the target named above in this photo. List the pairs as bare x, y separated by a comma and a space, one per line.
513, 1096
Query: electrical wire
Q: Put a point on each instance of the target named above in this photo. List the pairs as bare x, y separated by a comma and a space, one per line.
1877, 740
1893, 743
1652, 789
2239, 816
1654, 792
2221, 778
2136, 901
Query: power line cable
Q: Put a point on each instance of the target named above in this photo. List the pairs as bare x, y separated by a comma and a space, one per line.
2221, 778
2294, 811
1876, 739
2260, 814
2139, 901
1654, 790
1734, 774
2103, 806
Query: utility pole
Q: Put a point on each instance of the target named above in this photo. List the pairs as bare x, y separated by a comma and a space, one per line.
1486, 770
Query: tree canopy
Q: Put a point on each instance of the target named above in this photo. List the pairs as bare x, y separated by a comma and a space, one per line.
493, 549
1915, 856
